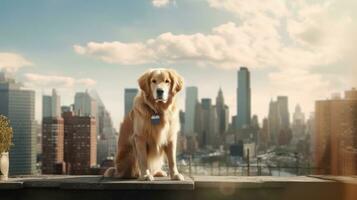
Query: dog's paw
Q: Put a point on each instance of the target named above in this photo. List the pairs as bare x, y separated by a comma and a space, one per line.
178, 177
146, 177
160, 173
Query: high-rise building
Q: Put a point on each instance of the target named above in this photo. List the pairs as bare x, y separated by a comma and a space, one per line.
298, 124
336, 135
243, 98
84, 104
52, 145
80, 143
51, 106
18, 105
273, 123
283, 109
106, 134
222, 113
298, 116
52, 135
279, 120
208, 135
264, 136
129, 95
190, 110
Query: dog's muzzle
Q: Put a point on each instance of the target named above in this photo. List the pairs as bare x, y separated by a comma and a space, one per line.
160, 94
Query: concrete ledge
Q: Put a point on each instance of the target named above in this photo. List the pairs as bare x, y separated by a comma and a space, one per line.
254, 182
197, 188
95, 183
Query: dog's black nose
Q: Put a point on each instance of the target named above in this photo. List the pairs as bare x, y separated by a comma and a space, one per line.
160, 93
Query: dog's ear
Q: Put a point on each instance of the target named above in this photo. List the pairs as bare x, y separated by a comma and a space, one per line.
176, 81
144, 82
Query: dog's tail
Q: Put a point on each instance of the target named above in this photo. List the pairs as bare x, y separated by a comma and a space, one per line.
109, 172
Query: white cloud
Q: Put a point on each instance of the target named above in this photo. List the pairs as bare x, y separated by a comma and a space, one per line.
227, 46
251, 8
116, 52
52, 81
160, 3
296, 40
273, 33
11, 62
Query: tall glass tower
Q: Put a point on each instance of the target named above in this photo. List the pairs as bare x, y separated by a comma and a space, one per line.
190, 109
243, 98
129, 96
19, 106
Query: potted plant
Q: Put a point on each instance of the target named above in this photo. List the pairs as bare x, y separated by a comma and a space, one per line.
5, 143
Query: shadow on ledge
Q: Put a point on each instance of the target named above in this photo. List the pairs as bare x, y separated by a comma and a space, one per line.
196, 188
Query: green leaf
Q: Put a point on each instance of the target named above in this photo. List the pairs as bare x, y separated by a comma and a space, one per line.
6, 134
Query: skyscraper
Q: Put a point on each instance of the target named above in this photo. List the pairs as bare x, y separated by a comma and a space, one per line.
336, 135
208, 135
273, 122
52, 135
129, 95
84, 104
51, 105
264, 136
52, 145
19, 106
283, 109
222, 113
243, 98
190, 109
298, 124
278, 119
80, 143
106, 134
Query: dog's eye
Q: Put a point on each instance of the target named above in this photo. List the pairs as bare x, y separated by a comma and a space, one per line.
167, 81
154, 81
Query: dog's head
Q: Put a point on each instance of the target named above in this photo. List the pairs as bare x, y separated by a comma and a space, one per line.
160, 85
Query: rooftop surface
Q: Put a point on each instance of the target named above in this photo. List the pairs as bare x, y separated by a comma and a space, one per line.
197, 187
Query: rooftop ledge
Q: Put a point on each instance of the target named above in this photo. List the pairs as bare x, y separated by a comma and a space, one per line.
197, 187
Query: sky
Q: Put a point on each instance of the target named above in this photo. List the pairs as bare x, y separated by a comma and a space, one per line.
302, 49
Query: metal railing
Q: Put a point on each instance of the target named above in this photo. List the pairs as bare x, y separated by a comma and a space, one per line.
214, 169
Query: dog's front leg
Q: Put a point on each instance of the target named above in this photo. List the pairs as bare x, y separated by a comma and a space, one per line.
141, 153
170, 151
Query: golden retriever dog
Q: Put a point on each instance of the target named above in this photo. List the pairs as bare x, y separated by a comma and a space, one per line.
149, 132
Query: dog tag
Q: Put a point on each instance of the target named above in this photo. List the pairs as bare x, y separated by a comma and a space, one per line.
155, 119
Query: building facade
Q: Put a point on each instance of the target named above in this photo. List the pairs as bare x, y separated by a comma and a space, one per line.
298, 125
19, 106
51, 105
53, 145
283, 110
52, 135
106, 134
208, 133
336, 135
243, 98
190, 110
129, 95
279, 121
80, 143
84, 104
222, 113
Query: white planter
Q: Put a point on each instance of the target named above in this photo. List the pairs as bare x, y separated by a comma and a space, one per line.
4, 166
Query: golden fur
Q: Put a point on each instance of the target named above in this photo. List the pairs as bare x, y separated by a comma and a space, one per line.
142, 145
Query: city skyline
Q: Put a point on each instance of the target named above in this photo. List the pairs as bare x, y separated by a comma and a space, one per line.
88, 100
296, 56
